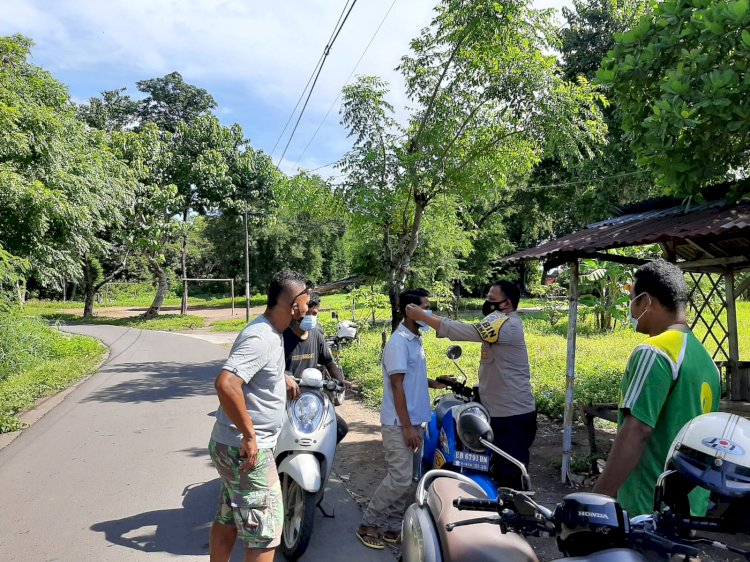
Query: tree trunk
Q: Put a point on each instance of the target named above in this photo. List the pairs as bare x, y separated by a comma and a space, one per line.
161, 288
89, 289
21, 292
184, 303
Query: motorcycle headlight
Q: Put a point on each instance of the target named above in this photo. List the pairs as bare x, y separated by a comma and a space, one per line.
306, 412
481, 412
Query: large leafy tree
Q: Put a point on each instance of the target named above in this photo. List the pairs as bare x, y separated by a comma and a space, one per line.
680, 81
62, 187
488, 103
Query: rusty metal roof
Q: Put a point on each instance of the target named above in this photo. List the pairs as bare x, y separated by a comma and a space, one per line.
713, 231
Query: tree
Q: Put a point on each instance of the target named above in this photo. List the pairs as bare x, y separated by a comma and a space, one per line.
150, 217
62, 186
489, 102
679, 79
590, 32
171, 101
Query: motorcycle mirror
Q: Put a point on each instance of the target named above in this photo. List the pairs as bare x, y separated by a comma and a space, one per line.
454, 352
472, 430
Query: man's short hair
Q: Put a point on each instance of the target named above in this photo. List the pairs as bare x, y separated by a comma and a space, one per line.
284, 280
314, 300
664, 281
411, 296
511, 291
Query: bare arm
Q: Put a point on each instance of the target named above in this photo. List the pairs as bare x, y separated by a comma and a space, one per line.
626, 453
411, 435
232, 400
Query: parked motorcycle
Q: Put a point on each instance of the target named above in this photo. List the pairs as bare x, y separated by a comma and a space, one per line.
449, 521
442, 448
304, 456
346, 333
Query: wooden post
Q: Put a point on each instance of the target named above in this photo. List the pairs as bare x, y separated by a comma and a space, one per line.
737, 390
570, 371
184, 303
231, 286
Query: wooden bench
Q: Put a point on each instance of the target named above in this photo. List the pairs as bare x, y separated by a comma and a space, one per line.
588, 413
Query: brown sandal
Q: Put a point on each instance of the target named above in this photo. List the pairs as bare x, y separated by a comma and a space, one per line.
370, 537
392, 537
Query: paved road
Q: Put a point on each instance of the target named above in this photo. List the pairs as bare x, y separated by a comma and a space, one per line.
119, 470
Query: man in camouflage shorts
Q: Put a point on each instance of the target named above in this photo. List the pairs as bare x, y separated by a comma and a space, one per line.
252, 391
260, 511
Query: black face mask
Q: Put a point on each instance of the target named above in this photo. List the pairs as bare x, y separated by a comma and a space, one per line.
489, 307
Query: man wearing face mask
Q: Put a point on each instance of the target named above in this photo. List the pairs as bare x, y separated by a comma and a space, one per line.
404, 411
305, 346
252, 393
504, 376
669, 379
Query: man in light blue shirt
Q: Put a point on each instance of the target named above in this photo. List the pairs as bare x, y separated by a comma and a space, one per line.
405, 407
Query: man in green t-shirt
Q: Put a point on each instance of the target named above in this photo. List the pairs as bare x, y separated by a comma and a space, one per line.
670, 379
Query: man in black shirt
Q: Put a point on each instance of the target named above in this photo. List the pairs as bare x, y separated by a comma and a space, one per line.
305, 346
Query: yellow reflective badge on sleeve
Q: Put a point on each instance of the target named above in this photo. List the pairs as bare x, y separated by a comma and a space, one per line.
489, 327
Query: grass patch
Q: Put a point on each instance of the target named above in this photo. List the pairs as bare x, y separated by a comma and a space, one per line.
166, 322
229, 325
38, 361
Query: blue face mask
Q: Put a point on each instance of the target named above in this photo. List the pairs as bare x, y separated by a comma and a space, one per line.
633, 319
422, 326
308, 323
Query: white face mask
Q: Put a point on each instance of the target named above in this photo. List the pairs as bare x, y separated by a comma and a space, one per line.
422, 326
633, 319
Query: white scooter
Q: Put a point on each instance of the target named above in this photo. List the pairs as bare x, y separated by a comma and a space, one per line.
304, 456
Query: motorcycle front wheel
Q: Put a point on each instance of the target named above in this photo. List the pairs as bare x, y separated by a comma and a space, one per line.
299, 515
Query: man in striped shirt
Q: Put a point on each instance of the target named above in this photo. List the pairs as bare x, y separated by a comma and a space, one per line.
670, 378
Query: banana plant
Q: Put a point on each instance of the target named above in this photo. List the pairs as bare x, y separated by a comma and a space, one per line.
603, 290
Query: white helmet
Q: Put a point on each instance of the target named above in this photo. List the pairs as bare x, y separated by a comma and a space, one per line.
346, 329
312, 377
713, 452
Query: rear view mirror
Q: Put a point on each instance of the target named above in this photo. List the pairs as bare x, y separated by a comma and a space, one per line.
454, 352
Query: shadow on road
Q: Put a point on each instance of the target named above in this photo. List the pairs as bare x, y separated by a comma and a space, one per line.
176, 531
159, 381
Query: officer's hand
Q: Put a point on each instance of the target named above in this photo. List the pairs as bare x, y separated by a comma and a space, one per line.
414, 312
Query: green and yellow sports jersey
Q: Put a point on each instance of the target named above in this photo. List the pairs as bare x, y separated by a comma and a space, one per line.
669, 380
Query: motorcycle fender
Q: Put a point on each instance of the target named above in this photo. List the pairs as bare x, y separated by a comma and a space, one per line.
486, 483
304, 468
419, 538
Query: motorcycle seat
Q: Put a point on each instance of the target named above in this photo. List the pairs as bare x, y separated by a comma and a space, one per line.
482, 542
609, 555
443, 407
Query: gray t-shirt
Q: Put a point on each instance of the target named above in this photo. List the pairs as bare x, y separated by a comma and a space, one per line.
257, 357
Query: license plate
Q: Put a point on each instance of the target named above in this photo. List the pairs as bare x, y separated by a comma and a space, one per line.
477, 461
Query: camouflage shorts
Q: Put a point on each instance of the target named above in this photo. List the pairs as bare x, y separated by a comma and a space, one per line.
250, 500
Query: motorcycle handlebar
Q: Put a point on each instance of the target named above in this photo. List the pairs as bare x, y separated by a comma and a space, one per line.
473, 504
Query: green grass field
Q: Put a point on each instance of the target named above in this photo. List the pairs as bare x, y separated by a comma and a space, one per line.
37, 361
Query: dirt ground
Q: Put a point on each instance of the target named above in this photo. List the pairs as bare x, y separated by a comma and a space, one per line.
359, 461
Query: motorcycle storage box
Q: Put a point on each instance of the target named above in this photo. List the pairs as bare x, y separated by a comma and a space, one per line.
590, 523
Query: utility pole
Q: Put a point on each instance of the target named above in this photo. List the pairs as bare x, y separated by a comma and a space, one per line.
247, 269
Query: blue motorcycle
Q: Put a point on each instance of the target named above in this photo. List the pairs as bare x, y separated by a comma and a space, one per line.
442, 447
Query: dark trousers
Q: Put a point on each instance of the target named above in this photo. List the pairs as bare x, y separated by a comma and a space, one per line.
514, 435
342, 428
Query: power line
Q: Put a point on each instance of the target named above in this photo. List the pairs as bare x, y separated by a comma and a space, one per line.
382, 21
326, 51
302, 94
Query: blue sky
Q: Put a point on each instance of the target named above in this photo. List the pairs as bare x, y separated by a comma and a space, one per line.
253, 56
